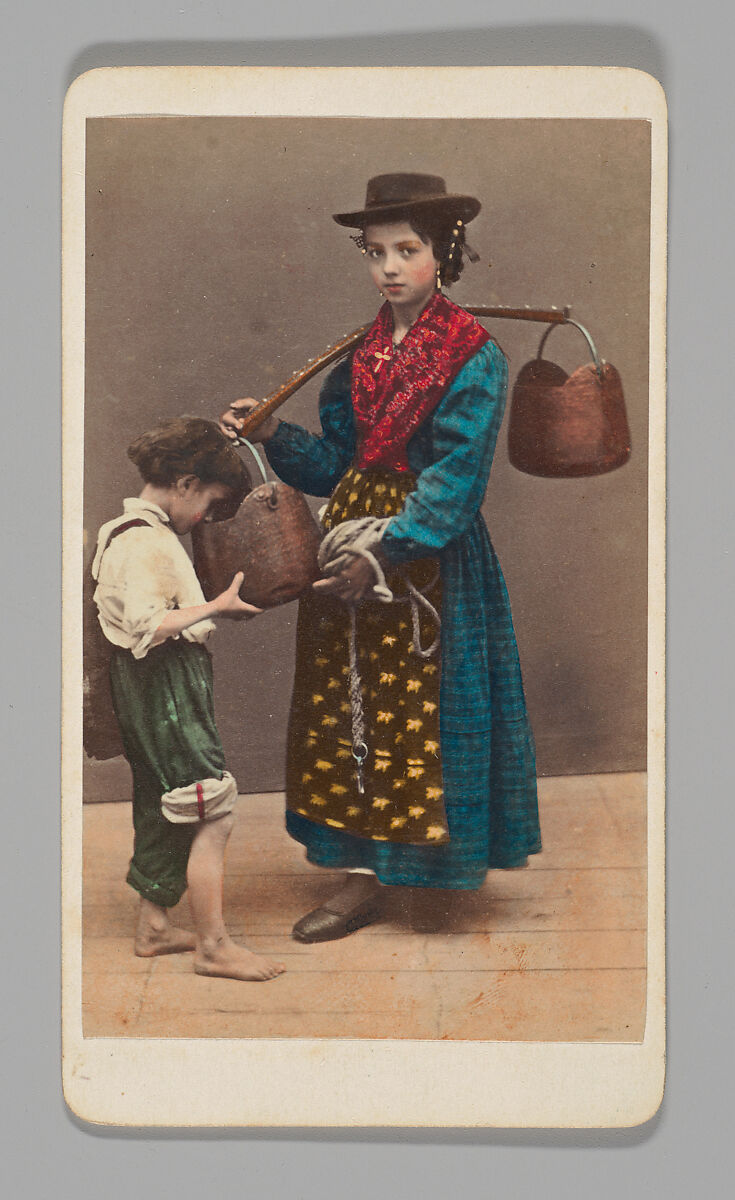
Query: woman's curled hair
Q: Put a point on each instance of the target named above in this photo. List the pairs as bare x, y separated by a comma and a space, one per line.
447, 239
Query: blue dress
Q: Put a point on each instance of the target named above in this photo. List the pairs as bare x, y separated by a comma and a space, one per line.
487, 751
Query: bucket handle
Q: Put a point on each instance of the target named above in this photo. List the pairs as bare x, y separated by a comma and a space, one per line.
243, 441
582, 330
271, 497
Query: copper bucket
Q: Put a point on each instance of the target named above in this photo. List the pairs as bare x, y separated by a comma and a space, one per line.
273, 539
568, 425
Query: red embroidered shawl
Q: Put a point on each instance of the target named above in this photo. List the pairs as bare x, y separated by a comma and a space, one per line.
394, 389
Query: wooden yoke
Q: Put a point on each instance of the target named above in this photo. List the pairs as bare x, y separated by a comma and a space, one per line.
278, 397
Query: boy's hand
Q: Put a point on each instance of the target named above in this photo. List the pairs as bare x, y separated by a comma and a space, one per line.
229, 604
231, 421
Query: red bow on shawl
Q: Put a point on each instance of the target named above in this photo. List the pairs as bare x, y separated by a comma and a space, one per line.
394, 390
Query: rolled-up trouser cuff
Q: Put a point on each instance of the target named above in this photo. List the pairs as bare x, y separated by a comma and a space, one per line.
205, 800
164, 897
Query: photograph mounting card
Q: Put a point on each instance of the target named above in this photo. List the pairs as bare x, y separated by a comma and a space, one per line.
424, 839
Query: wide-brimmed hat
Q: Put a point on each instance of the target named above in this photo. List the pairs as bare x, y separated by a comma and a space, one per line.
390, 196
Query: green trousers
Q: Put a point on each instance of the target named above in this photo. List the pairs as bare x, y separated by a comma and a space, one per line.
164, 704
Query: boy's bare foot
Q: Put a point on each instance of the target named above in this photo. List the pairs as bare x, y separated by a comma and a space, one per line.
156, 935
227, 960
150, 942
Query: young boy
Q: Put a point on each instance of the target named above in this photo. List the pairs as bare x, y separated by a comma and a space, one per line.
152, 609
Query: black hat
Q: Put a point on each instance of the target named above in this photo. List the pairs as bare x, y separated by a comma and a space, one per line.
390, 196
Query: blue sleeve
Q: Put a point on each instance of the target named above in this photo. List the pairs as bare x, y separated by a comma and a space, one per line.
450, 491
311, 462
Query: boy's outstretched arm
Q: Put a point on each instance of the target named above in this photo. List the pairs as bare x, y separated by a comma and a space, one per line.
227, 604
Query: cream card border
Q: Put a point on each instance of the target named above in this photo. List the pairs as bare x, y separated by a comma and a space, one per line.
305, 1082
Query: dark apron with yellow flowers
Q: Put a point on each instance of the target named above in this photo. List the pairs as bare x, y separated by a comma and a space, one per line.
402, 800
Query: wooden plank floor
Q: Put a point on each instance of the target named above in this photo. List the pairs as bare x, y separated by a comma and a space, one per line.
555, 952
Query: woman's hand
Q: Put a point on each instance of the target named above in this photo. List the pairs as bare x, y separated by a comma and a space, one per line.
351, 584
231, 421
229, 604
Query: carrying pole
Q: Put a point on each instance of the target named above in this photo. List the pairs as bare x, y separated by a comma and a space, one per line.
273, 401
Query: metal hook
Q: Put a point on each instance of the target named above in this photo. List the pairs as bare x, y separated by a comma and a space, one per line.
359, 752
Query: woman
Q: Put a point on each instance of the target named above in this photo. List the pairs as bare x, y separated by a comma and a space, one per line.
412, 768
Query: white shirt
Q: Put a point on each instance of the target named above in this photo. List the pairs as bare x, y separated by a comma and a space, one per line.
141, 576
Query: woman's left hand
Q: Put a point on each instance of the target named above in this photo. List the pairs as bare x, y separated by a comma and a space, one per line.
353, 582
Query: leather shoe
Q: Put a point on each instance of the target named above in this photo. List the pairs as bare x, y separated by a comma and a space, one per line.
323, 925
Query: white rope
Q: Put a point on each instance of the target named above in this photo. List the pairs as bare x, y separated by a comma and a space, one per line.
359, 745
361, 537
417, 598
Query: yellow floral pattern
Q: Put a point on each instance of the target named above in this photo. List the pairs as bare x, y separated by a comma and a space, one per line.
402, 800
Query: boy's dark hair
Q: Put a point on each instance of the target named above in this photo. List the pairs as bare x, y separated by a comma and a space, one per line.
192, 446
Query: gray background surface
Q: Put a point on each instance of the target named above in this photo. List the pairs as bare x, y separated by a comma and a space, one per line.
685, 1150
214, 270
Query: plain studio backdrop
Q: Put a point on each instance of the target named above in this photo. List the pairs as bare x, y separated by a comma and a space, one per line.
214, 270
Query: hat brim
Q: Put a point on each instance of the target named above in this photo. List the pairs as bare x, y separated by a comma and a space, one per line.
464, 208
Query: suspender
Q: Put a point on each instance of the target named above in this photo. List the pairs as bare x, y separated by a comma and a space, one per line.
131, 524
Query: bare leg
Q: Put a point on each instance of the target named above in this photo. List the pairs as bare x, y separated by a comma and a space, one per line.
216, 953
155, 934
